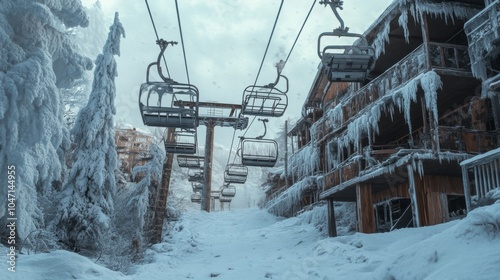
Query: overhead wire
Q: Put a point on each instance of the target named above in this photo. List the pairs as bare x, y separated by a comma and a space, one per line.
182, 40
185, 58
157, 37
258, 74
286, 60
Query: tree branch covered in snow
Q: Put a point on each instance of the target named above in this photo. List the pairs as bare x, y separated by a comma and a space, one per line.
33, 136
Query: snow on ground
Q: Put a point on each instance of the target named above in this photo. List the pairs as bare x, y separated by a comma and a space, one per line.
253, 244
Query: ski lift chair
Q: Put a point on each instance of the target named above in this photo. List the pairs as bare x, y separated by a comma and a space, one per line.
215, 194
259, 151
156, 99
190, 161
196, 198
228, 191
235, 173
225, 198
197, 187
345, 63
183, 141
265, 101
196, 175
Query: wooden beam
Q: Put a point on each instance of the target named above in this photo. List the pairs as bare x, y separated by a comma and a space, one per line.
207, 172
160, 204
364, 208
332, 226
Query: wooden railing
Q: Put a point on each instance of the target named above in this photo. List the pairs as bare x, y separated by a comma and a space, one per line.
451, 139
344, 172
482, 31
466, 140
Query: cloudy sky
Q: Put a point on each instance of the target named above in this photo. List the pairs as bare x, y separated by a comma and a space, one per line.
225, 41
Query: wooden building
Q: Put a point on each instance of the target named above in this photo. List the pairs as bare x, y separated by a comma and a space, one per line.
132, 147
393, 142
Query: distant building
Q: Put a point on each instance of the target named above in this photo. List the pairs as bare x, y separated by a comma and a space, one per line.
132, 147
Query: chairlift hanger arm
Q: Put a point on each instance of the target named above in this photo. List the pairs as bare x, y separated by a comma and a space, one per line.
163, 46
264, 121
336, 4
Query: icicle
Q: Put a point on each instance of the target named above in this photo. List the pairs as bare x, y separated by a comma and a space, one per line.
430, 83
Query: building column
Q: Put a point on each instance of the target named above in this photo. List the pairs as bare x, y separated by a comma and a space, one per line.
364, 208
332, 226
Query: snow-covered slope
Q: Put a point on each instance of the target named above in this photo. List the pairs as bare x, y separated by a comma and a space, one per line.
252, 244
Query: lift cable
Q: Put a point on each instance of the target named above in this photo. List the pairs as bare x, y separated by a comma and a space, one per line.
286, 60
157, 37
269, 41
257, 77
182, 40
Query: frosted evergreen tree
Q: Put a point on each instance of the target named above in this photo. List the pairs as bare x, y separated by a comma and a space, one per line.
87, 203
145, 191
76, 97
37, 58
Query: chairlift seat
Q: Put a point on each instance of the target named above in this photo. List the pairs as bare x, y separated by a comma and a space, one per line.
259, 152
180, 148
156, 103
228, 191
223, 198
168, 117
189, 161
183, 142
196, 198
263, 101
347, 67
235, 173
197, 187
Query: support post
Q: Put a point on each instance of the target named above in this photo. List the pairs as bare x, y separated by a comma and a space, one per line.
364, 208
413, 196
160, 204
207, 169
332, 226
286, 153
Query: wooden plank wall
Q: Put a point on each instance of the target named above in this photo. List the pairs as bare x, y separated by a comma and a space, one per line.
399, 190
431, 197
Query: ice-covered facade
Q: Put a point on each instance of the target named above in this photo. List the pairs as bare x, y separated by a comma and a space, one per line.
394, 142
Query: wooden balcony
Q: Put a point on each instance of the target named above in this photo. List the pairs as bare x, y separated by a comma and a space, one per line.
468, 141
483, 33
444, 58
344, 172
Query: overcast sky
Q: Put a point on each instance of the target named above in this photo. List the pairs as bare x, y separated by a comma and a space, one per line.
225, 41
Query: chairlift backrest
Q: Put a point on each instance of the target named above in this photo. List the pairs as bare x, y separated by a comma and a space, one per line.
190, 161
184, 141
266, 101
196, 197
259, 152
228, 191
235, 173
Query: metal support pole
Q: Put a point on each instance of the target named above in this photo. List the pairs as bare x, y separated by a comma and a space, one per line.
207, 172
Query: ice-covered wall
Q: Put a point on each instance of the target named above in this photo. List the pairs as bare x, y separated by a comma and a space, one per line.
284, 203
366, 122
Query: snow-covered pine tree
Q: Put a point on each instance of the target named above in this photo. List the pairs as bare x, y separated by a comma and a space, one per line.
37, 57
145, 191
87, 202
76, 97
